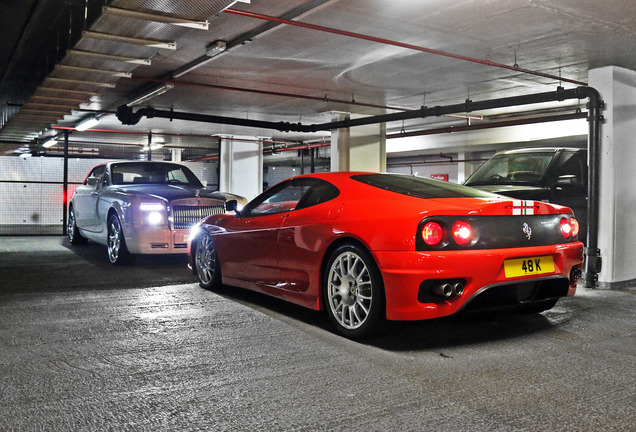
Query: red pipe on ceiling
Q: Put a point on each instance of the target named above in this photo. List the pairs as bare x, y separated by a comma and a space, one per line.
515, 68
269, 93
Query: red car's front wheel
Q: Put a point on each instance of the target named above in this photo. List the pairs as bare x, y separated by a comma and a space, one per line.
353, 289
206, 263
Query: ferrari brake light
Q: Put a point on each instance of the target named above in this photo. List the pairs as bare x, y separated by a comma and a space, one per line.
575, 227
566, 228
462, 232
432, 233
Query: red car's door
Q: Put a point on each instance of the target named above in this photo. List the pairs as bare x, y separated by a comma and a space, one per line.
301, 242
250, 249
250, 245
304, 235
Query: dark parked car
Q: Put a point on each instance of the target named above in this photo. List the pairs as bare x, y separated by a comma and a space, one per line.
556, 175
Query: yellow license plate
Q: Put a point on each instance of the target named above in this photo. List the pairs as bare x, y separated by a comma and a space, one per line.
528, 266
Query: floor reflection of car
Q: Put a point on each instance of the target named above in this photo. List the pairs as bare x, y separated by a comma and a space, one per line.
140, 207
366, 247
556, 175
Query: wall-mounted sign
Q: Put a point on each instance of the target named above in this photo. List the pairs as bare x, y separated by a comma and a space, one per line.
440, 177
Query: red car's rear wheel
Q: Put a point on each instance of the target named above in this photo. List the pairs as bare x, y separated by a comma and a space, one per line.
354, 294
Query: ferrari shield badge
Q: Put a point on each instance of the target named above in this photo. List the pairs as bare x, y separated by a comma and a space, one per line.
527, 230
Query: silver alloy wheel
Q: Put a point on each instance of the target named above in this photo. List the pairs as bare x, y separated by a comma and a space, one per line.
350, 290
71, 228
114, 239
74, 235
205, 260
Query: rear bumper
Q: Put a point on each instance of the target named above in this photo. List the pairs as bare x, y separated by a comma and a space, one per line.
405, 273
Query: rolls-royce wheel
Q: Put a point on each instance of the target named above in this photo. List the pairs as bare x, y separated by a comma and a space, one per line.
117, 250
354, 292
206, 263
73, 233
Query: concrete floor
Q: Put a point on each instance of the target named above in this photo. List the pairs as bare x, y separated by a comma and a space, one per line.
88, 346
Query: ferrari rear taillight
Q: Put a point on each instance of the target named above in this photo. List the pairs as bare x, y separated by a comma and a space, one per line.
462, 232
566, 228
575, 227
432, 233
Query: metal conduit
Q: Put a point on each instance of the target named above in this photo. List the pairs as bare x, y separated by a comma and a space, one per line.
489, 125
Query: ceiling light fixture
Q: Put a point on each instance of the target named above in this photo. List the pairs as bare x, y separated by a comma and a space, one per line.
87, 124
120, 74
50, 142
212, 51
237, 1
153, 146
164, 18
110, 57
151, 94
153, 43
216, 48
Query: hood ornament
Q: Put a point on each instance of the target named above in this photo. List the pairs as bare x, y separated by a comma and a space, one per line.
527, 230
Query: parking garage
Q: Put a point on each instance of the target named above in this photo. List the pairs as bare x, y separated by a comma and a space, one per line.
247, 94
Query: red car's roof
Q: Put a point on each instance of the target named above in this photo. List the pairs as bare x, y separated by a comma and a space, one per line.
478, 204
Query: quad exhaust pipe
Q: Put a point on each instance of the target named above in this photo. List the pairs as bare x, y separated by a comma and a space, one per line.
448, 290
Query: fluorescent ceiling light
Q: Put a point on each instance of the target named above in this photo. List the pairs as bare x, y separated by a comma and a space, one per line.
87, 124
50, 142
152, 147
237, 1
154, 93
216, 48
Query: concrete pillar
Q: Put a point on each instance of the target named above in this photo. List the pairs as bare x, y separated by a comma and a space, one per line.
617, 213
241, 165
360, 148
461, 167
176, 154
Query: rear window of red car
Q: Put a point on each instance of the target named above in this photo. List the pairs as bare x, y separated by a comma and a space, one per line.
420, 187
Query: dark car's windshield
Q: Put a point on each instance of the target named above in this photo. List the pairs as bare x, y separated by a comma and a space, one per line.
512, 168
152, 173
420, 187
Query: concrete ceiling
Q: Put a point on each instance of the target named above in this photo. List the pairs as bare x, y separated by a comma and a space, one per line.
355, 56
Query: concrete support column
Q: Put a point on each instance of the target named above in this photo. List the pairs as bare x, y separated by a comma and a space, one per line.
361, 148
461, 167
176, 154
241, 165
617, 236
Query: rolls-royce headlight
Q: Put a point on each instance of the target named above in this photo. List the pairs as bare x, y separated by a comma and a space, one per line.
153, 213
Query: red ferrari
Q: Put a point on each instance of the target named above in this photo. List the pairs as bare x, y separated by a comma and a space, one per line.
366, 247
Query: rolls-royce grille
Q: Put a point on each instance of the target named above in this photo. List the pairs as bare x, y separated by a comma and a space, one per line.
185, 216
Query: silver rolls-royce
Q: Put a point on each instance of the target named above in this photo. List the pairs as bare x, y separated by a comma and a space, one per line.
140, 207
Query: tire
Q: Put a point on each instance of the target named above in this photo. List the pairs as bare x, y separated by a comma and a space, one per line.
117, 250
206, 263
74, 236
353, 292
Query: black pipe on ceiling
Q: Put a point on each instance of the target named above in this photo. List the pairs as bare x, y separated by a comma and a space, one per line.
488, 125
592, 253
